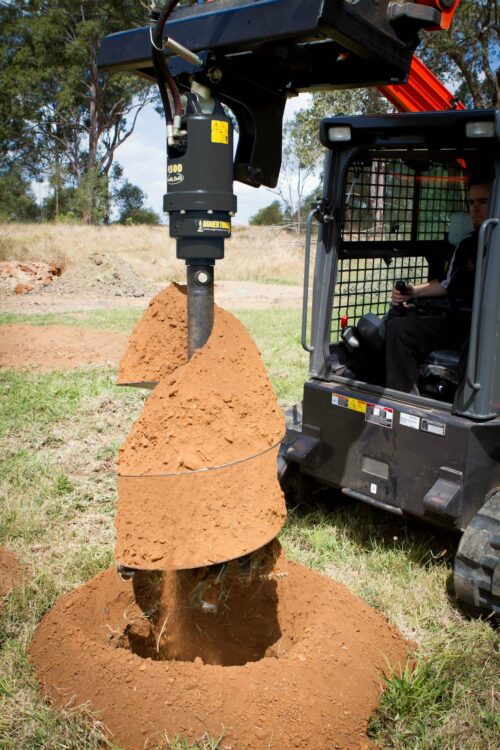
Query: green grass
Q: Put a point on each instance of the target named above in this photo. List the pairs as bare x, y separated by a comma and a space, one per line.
121, 320
276, 332
59, 434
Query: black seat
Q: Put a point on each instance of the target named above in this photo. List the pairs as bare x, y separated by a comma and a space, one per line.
439, 374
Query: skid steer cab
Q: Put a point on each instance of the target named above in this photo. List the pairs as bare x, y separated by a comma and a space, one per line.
393, 210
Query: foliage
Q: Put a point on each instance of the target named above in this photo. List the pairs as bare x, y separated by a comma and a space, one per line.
467, 57
129, 201
60, 117
297, 169
268, 216
304, 130
17, 201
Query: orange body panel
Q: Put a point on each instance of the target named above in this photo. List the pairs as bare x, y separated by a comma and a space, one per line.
423, 92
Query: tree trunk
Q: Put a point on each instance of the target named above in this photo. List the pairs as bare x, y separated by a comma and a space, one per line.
93, 143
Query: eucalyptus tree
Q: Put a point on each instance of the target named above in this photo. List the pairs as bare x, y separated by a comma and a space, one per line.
62, 118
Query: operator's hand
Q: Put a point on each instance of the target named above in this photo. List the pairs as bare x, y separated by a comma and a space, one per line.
397, 298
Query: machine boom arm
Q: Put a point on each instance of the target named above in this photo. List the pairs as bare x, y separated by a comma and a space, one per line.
256, 53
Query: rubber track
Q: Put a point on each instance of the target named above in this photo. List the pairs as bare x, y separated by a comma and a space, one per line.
477, 564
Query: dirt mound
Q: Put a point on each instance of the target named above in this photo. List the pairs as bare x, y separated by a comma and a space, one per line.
103, 272
197, 474
219, 408
158, 343
11, 572
45, 348
24, 277
98, 273
306, 676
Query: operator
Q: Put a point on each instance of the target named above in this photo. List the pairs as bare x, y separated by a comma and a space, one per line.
410, 339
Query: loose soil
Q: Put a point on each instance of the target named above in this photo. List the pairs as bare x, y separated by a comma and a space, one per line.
265, 652
95, 273
197, 473
45, 348
292, 661
11, 572
158, 343
25, 277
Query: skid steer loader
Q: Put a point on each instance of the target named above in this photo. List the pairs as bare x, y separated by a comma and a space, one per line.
392, 210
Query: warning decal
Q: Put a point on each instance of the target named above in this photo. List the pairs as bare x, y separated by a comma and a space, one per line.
357, 405
353, 404
374, 413
220, 131
380, 415
339, 400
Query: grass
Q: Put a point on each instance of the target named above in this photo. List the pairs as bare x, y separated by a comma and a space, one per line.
263, 254
59, 435
276, 332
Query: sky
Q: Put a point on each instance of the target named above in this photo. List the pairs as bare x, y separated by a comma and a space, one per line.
143, 158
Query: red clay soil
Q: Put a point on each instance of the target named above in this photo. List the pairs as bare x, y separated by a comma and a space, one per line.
45, 348
197, 474
290, 661
11, 572
219, 407
158, 344
23, 277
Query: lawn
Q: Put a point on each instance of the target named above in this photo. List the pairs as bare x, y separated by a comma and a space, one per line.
59, 435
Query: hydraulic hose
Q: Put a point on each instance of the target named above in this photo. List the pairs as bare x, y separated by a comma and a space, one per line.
161, 70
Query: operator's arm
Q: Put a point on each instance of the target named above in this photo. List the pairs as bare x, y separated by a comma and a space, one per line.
432, 288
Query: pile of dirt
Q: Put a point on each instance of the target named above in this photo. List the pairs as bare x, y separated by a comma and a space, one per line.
157, 345
218, 408
11, 572
197, 474
265, 652
106, 273
98, 273
23, 277
305, 672
45, 348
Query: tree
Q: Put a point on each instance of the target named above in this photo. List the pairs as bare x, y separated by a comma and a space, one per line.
59, 114
467, 57
17, 202
129, 200
268, 216
305, 126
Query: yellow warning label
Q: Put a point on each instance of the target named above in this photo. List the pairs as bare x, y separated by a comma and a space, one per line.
356, 405
220, 131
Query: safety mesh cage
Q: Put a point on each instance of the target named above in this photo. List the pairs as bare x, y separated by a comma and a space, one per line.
395, 227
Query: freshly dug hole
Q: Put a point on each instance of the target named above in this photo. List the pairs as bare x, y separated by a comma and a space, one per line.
312, 682
176, 622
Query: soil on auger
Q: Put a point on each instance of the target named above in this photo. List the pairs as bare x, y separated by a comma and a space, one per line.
260, 650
